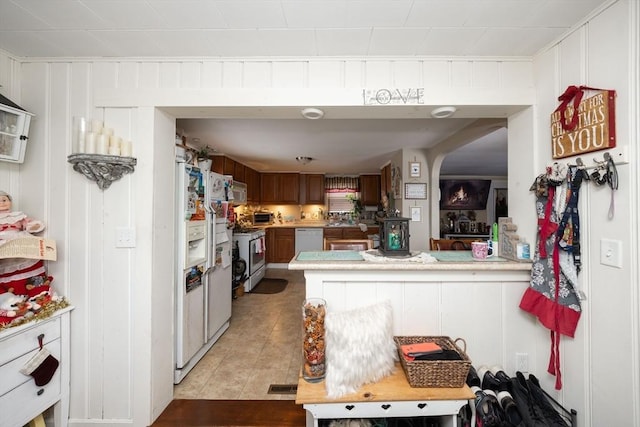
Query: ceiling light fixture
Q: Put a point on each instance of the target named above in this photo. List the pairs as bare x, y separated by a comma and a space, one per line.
312, 113
303, 160
443, 112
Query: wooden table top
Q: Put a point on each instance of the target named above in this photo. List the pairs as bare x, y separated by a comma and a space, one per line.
394, 387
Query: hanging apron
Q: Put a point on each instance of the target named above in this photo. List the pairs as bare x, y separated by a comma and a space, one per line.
552, 296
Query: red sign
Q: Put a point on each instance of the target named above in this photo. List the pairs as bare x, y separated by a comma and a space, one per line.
589, 127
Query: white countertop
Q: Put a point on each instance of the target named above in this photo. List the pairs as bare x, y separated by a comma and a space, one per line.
449, 261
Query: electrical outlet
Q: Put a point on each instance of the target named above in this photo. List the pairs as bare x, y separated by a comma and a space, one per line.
125, 237
522, 362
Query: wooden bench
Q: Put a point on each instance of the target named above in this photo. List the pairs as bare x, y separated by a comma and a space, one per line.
389, 398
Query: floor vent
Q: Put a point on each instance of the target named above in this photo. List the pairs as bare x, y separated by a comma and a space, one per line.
283, 389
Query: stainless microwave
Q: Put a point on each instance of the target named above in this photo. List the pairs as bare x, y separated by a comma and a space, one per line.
262, 218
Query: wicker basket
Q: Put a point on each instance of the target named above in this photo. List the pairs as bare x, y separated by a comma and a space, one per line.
435, 373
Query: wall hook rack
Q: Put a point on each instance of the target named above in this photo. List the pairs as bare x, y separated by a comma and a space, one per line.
102, 169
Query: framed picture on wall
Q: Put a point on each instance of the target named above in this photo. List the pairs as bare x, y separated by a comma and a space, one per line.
414, 169
501, 203
464, 194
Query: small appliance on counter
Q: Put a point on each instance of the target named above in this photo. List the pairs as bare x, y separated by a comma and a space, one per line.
262, 218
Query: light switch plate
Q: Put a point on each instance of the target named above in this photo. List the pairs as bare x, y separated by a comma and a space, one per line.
611, 252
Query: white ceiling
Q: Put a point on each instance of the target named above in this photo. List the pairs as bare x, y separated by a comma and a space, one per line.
122, 28
302, 28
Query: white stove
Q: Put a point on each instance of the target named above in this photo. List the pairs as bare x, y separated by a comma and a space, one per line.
253, 249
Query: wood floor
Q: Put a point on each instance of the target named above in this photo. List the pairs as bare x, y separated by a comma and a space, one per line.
226, 413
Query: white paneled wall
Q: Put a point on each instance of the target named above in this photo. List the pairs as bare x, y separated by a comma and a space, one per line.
121, 327
601, 379
480, 308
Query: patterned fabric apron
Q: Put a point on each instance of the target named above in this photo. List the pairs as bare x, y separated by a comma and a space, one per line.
552, 296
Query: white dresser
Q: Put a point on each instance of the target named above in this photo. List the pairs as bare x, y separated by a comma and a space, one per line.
20, 399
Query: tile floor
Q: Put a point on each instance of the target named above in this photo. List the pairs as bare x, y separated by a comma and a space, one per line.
260, 348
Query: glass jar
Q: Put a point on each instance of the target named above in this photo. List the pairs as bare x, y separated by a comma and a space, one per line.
313, 339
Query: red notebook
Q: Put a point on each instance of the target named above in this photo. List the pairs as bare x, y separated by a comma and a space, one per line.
411, 351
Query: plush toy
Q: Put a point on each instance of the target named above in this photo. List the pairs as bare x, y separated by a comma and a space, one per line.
41, 293
12, 307
18, 276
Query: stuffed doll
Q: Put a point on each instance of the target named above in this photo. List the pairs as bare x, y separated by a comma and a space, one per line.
14, 224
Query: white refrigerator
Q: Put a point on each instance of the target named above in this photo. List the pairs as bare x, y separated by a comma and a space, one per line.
218, 289
192, 260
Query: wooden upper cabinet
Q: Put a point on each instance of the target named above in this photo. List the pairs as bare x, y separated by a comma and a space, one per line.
269, 188
280, 188
385, 180
229, 166
252, 178
370, 190
217, 165
239, 172
290, 188
311, 189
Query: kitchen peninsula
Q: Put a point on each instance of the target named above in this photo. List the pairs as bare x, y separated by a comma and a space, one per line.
453, 296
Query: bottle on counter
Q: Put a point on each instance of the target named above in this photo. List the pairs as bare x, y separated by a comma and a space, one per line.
523, 250
494, 239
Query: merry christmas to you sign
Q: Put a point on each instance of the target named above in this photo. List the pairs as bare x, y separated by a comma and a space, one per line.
583, 125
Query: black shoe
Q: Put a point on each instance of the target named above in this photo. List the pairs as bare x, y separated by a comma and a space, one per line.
488, 410
511, 413
500, 374
488, 381
550, 414
472, 378
531, 414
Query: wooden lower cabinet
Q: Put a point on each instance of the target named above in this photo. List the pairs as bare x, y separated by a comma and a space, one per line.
332, 233
281, 244
349, 232
356, 233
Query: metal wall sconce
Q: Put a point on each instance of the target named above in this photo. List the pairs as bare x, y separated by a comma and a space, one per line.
102, 169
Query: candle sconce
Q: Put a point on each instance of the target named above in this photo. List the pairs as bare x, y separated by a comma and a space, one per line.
102, 169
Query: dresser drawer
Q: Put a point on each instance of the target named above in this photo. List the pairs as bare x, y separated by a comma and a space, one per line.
10, 372
26, 401
16, 345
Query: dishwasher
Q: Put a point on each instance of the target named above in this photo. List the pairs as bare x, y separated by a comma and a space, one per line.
309, 239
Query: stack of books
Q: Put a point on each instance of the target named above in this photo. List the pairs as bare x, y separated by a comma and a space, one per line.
420, 351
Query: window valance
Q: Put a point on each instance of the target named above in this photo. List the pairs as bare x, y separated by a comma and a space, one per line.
341, 184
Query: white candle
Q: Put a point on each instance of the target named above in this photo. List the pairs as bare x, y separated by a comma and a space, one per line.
81, 142
114, 150
107, 131
114, 141
79, 133
126, 148
96, 126
103, 144
90, 143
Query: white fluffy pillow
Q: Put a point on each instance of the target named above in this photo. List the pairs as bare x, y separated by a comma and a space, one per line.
360, 347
